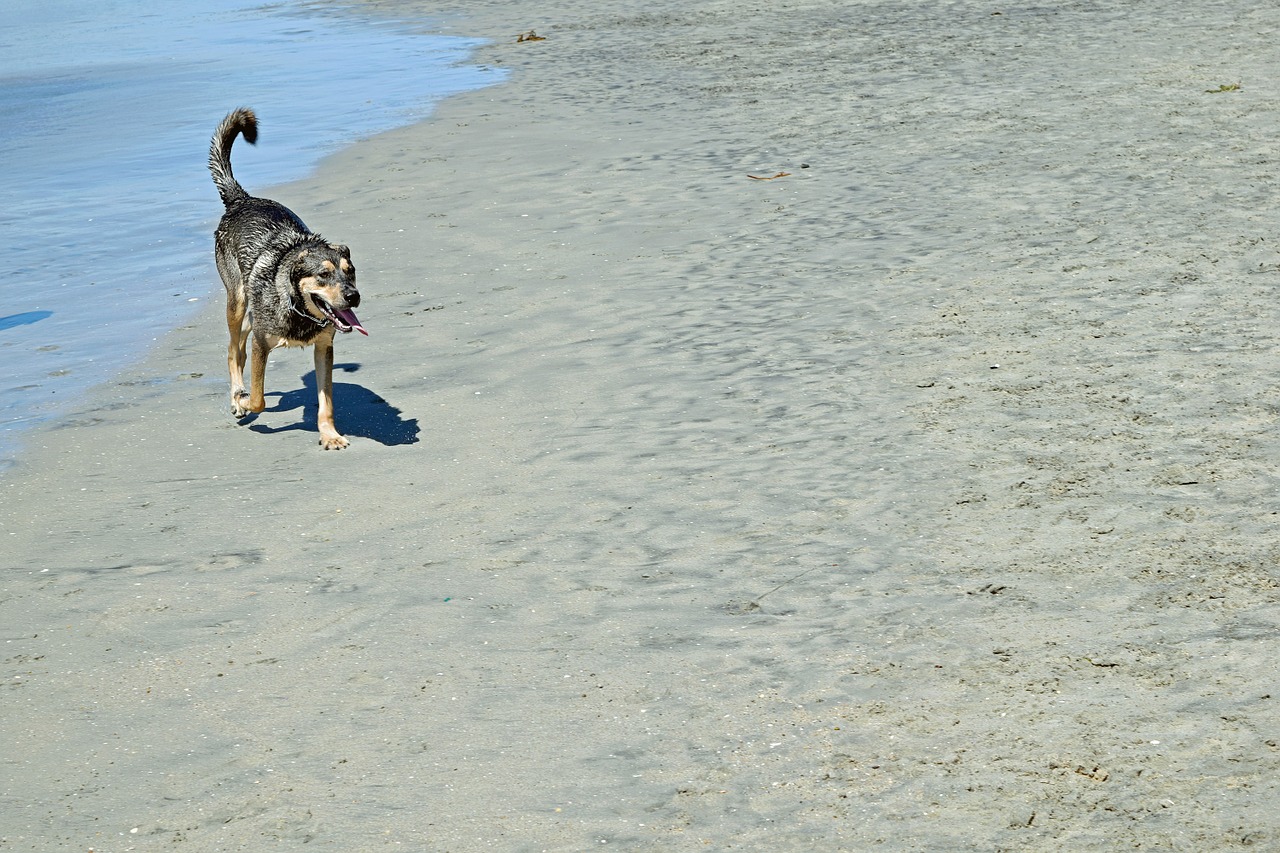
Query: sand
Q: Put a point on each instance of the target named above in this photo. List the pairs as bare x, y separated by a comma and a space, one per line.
921, 498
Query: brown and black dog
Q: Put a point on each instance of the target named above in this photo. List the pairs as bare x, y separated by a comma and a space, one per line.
285, 284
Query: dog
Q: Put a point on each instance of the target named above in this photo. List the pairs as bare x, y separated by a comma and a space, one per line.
286, 285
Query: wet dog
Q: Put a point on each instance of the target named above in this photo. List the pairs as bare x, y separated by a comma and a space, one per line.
286, 285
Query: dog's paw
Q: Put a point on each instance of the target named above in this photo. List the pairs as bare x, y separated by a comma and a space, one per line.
239, 405
333, 442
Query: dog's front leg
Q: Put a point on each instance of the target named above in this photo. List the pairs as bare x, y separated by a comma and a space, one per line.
238, 326
329, 437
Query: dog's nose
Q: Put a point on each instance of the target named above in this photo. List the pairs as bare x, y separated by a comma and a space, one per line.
353, 297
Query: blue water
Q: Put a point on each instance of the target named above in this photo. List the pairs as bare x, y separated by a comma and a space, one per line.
106, 206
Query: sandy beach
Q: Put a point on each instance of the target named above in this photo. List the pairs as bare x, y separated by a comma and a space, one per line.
784, 426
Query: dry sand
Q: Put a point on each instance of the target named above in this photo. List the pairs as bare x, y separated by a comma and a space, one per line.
921, 499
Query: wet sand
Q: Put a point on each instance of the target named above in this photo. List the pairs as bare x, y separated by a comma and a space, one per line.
921, 498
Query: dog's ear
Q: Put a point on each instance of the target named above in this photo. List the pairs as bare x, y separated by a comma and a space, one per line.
341, 250
297, 266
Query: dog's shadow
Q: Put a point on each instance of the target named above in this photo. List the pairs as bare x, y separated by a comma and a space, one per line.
357, 411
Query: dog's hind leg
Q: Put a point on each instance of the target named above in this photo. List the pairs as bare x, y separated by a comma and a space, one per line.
329, 437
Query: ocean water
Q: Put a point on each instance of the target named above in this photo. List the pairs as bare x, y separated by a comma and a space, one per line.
106, 205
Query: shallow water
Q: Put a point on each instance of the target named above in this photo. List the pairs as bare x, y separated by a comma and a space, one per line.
106, 207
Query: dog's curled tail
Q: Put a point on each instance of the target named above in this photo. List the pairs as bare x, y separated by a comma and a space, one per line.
241, 121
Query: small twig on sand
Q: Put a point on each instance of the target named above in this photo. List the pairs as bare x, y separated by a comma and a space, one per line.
784, 583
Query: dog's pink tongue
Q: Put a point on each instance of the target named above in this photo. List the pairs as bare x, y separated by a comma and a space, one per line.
349, 317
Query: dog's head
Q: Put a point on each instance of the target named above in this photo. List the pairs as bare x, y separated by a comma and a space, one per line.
325, 280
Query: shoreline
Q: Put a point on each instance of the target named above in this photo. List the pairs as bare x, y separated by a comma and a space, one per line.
917, 498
